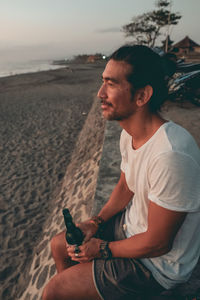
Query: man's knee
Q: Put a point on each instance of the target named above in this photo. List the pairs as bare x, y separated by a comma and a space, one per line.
58, 243
52, 289
48, 293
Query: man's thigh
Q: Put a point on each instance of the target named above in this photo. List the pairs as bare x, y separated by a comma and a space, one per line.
123, 278
73, 283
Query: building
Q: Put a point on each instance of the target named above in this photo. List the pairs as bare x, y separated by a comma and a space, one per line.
186, 47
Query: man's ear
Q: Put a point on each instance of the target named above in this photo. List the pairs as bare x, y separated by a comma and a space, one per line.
144, 95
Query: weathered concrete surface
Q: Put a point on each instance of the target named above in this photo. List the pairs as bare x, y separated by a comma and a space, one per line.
77, 194
109, 169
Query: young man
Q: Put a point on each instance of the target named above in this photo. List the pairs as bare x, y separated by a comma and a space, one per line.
150, 225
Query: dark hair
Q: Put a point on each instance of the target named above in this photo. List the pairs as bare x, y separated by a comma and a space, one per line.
147, 69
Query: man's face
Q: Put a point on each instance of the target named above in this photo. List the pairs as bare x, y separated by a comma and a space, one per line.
115, 93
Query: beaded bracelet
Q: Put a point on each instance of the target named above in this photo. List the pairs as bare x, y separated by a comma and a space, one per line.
97, 221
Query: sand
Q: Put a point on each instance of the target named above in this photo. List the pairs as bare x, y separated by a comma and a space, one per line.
185, 114
41, 116
47, 148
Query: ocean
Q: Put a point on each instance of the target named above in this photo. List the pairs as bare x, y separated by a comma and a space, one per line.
20, 67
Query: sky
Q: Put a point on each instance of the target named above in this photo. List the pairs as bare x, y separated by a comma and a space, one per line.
57, 29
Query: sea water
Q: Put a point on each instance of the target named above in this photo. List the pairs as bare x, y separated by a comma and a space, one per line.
9, 68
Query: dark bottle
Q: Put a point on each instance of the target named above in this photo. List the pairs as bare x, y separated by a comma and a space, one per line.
74, 235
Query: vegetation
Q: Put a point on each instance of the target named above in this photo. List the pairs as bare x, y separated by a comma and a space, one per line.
82, 59
146, 28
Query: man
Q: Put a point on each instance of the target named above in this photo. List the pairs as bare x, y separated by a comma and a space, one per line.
152, 218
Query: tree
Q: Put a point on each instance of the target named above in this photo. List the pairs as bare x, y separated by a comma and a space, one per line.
167, 43
146, 28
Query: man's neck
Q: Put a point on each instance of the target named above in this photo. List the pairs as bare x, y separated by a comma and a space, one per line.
142, 126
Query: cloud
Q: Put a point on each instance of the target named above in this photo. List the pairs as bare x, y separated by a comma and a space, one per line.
109, 30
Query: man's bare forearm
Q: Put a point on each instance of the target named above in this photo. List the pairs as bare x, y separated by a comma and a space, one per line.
163, 225
138, 246
118, 200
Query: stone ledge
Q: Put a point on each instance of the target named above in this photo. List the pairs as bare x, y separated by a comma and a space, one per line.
77, 194
109, 169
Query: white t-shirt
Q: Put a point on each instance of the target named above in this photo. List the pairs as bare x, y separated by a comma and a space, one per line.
165, 170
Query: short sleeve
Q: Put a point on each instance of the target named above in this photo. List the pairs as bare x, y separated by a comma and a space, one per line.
123, 150
174, 182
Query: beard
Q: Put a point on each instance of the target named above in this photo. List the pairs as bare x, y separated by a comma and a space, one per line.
117, 116
111, 114
117, 113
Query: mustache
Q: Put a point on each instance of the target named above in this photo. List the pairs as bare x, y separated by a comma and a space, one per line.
106, 103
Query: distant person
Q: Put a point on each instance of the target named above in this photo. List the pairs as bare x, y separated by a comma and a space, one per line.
149, 238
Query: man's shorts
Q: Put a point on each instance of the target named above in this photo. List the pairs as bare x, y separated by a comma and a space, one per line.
122, 278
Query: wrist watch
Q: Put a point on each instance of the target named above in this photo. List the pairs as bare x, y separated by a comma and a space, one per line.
105, 250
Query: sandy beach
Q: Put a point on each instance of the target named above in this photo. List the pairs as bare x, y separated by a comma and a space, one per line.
41, 116
44, 117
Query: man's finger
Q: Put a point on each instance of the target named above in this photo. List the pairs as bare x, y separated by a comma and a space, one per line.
87, 238
76, 249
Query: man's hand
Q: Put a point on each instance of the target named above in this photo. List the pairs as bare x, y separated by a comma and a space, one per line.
88, 229
87, 252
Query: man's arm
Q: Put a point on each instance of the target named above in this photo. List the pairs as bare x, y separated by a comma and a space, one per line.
118, 200
163, 225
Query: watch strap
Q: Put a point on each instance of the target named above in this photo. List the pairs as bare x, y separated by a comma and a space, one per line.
105, 250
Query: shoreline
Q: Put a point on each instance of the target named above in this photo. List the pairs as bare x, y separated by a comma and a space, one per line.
27, 73
20, 67
55, 67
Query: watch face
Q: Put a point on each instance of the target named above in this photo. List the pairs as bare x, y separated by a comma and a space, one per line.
104, 250
105, 253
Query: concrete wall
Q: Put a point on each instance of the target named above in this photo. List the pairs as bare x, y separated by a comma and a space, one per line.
77, 194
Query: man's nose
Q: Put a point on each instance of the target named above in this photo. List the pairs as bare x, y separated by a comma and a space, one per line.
102, 92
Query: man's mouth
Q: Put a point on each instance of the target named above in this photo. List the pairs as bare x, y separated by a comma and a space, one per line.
105, 104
